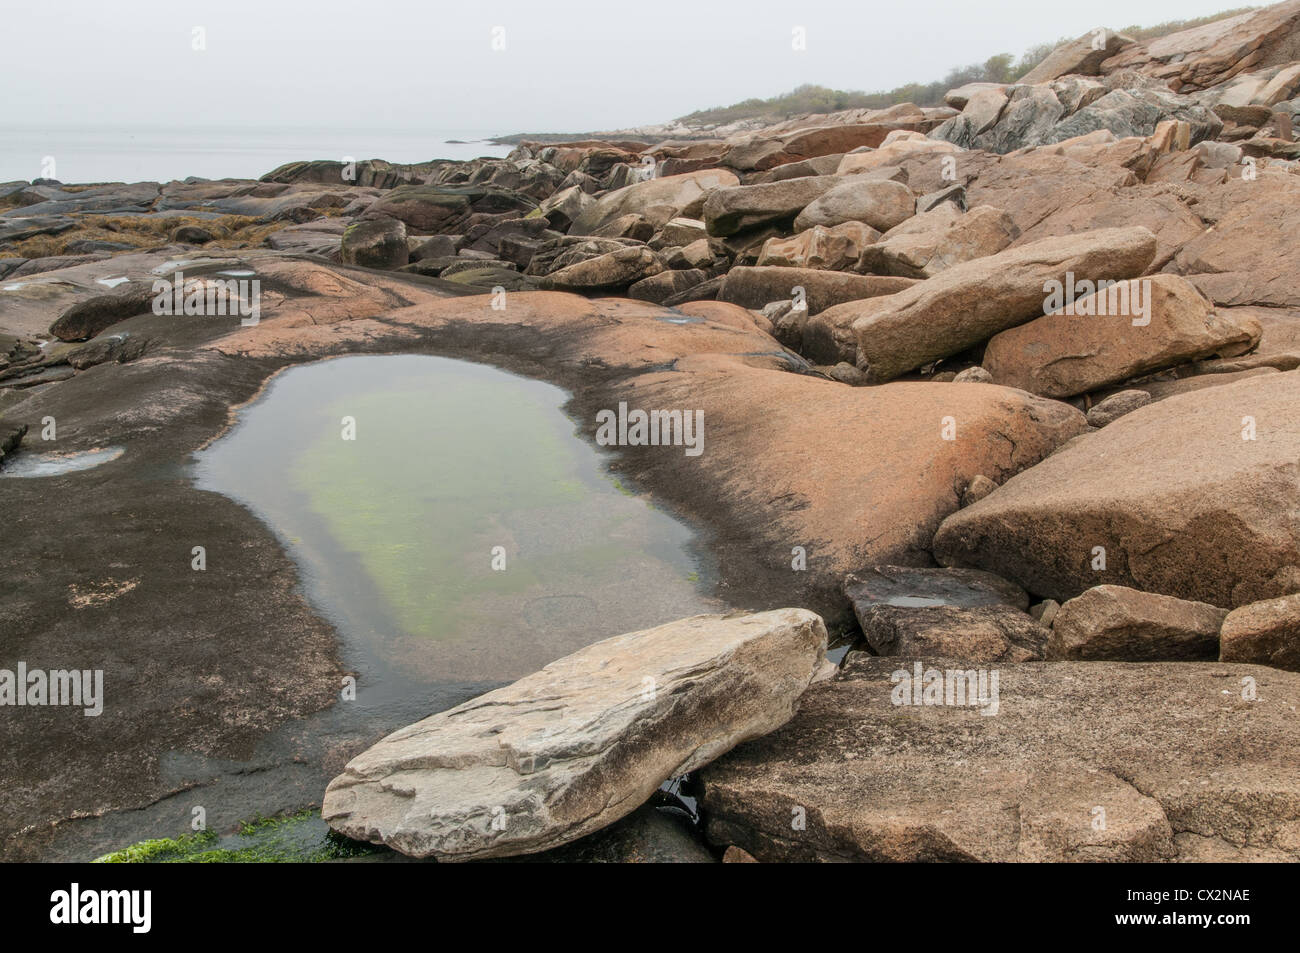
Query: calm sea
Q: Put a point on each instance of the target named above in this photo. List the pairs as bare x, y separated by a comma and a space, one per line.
89, 154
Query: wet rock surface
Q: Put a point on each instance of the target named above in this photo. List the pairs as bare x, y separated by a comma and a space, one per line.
859, 304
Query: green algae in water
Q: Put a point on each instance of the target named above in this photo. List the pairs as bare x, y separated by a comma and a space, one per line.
395, 531
449, 476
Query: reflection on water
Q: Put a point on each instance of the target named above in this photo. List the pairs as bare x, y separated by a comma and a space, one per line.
454, 467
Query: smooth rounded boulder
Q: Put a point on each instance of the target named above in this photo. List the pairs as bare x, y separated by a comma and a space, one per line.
880, 203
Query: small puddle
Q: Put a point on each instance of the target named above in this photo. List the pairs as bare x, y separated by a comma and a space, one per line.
20, 463
396, 531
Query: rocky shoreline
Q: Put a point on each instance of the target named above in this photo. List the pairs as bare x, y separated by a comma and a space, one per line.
999, 395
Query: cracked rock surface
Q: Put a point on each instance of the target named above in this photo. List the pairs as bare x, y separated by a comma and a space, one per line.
1095, 761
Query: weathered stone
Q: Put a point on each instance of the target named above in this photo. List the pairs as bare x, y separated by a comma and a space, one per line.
1266, 632
682, 195
891, 155
665, 284
755, 287
917, 587
1083, 56
980, 487
561, 208
982, 634
490, 275
581, 743
704, 291
649, 835
1129, 329
1126, 625
1116, 406
633, 225
819, 165
728, 211
968, 303
439, 246
845, 373
90, 316
831, 249
1206, 55
695, 255
1051, 196
959, 97
679, 232
376, 243
118, 348
1249, 257
11, 435
936, 240
1195, 496
766, 151
431, 208
1045, 611
1160, 747
616, 269
880, 203
973, 375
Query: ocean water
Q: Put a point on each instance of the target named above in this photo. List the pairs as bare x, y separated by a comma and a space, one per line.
160, 154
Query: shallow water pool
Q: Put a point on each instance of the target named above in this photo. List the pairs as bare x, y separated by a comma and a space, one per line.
449, 519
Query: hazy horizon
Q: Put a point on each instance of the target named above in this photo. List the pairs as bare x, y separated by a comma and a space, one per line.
501, 67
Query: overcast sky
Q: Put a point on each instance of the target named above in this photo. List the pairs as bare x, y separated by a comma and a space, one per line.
567, 65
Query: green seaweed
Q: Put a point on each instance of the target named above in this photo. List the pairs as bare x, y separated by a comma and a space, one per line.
287, 838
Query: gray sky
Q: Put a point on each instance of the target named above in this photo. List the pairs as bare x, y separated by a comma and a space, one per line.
568, 65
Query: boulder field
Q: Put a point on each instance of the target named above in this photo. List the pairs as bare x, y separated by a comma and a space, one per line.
1000, 394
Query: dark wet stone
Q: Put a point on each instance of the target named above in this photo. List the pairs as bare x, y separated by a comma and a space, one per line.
650, 835
87, 318
912, 587
193, 235
378, 243
996, 633
118, 348
46, 376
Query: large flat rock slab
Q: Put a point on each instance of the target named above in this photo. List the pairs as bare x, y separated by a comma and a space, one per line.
1196, 496
1083, 761
1214, 52
585, 741
973, 301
